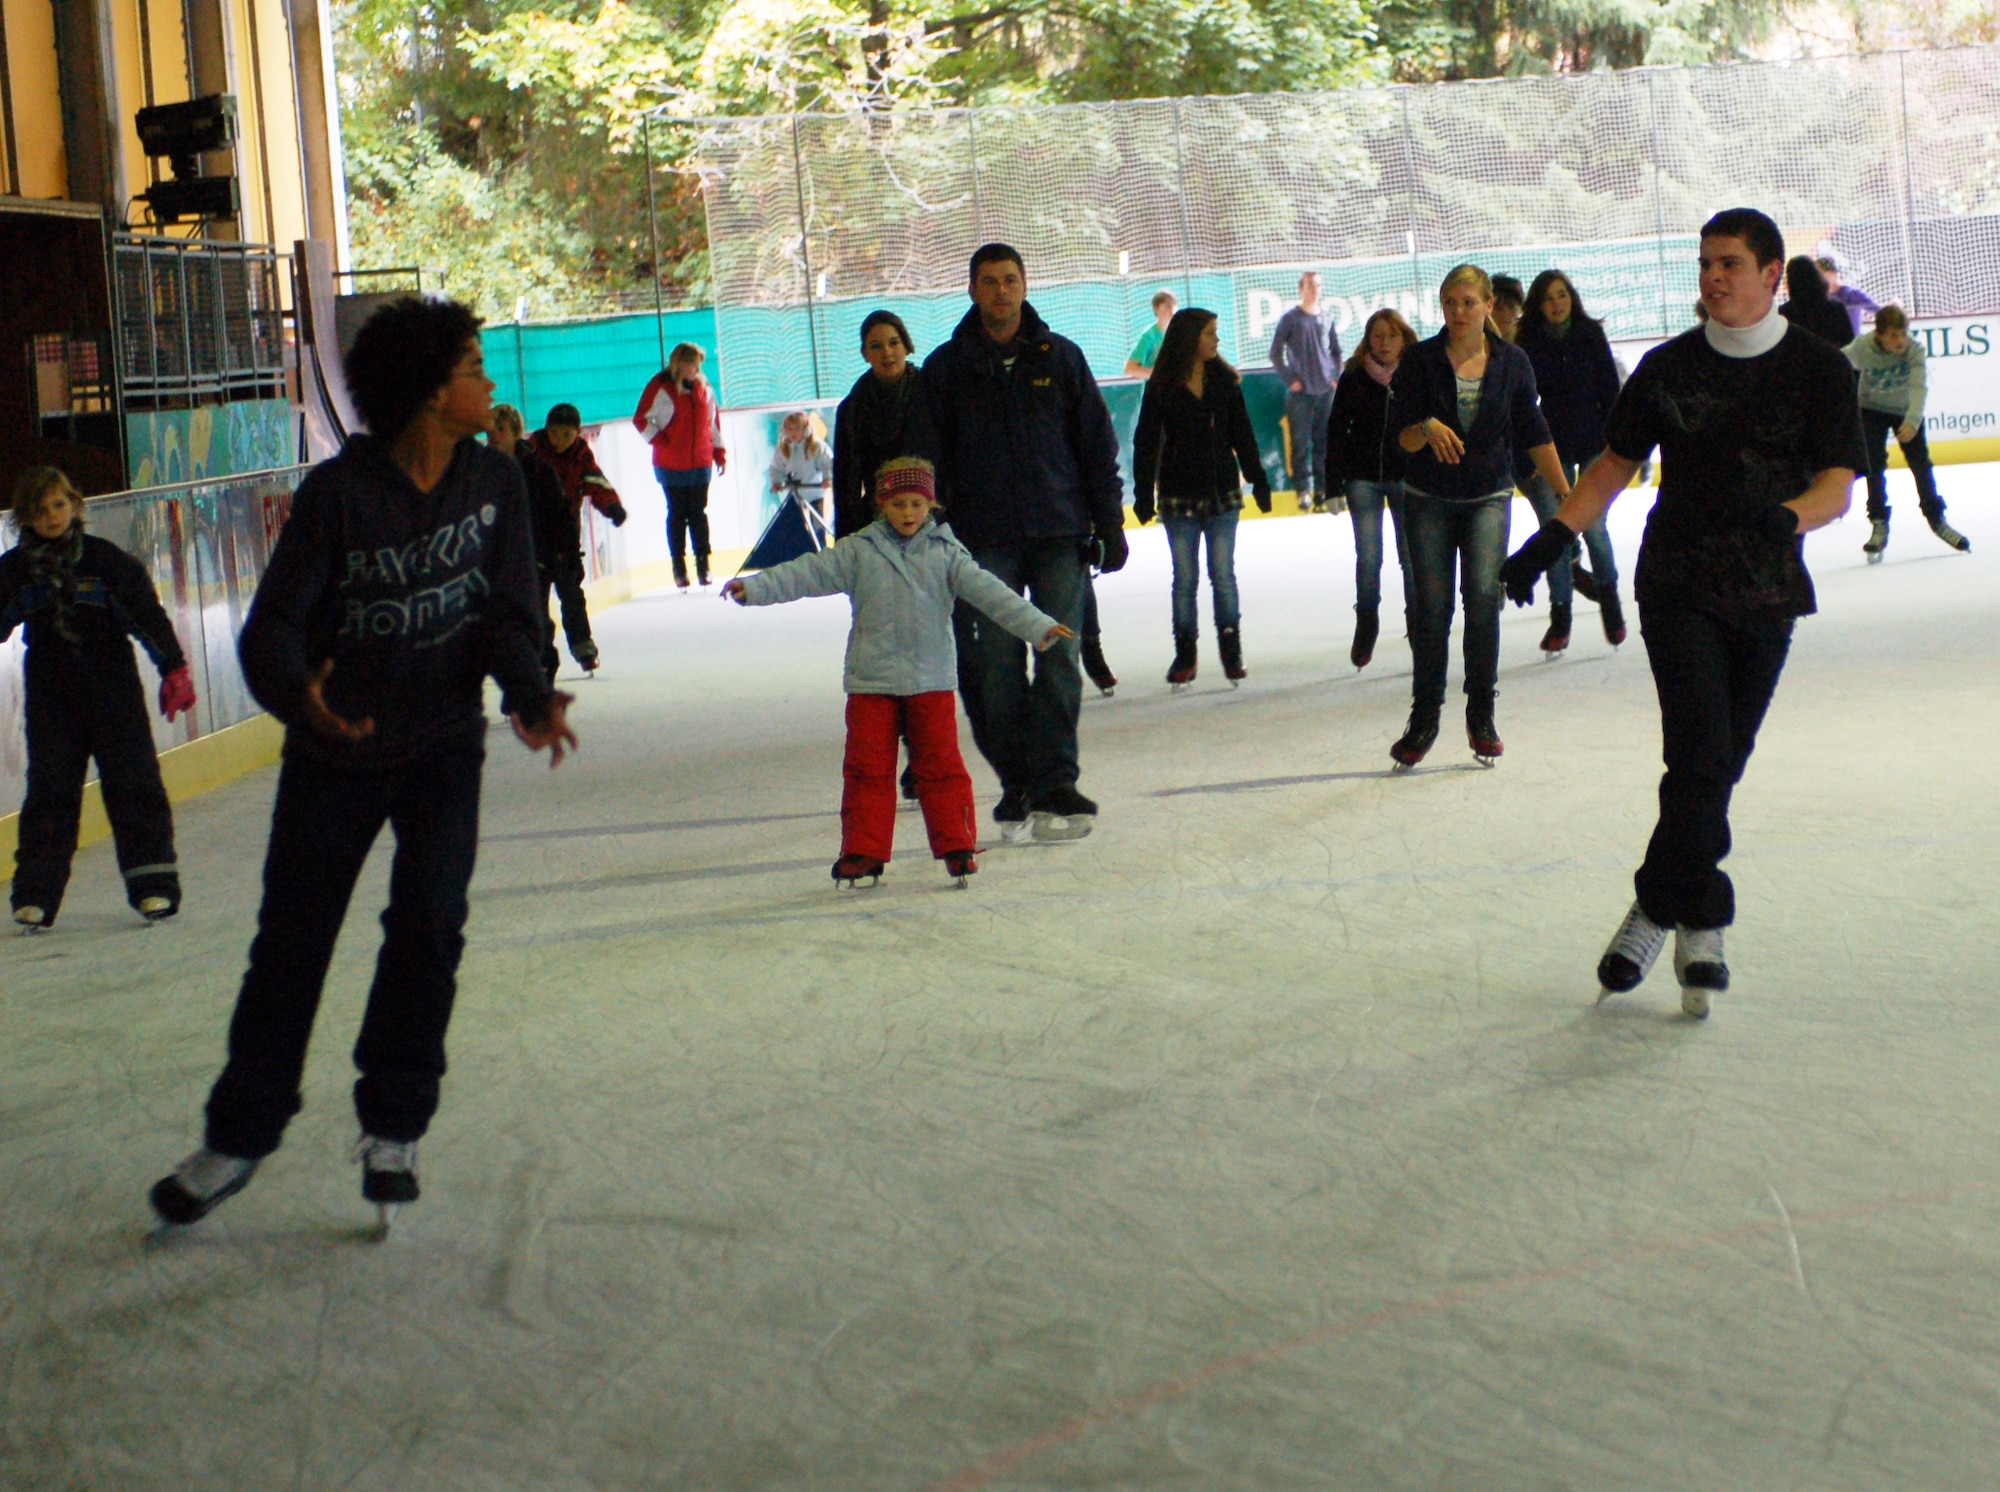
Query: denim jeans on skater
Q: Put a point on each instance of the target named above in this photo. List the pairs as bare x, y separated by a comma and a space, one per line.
1876, 427
1306, 415
1025, 726
1603, 560
1365, 502
1184, 537
322, 827
1462, 543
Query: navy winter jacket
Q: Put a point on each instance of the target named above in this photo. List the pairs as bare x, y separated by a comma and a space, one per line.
1509, 418
415, 596
1024, 455
1576, 378
114, 599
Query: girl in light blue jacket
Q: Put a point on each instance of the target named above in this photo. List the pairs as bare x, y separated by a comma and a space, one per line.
903, 573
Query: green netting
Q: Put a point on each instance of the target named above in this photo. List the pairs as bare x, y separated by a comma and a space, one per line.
599, 365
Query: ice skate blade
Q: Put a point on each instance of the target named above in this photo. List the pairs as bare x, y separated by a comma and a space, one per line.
1104, 693
961, 883
853, 883
1397, 769
1055, 828
1485, 761
29, 930
1180, 688
1015, 831
1874, 557
1694, 1002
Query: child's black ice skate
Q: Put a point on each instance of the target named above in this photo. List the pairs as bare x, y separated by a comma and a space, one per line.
388, 1175
909, 788
1482, 735
1418, 737
1950, 535
1229, 642
1181, 673
1878, 540
1634, 949
587, 660
961, 866
1096, 669
849, 871
31, 920
199, 1185
1701, 967
1555, 641
1367, 627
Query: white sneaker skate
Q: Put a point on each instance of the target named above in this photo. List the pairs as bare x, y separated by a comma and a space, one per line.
30, 920
199, 1185
388, 1174
1699, 963
1635, 947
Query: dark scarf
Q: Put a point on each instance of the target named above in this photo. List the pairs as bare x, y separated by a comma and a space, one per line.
52, 567
884, 411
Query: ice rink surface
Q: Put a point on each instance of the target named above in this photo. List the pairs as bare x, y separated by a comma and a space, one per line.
1267, 1139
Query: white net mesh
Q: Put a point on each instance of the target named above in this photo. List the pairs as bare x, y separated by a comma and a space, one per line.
1892, 160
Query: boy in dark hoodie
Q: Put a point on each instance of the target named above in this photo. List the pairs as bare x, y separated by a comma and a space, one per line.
404, 576
562, 445
81, 597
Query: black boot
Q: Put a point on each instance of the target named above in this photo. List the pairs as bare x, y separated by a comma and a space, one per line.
1182, 672
1229, 643
1367, 627
1612, 615
1418, 737
1096, 668
1480, 732
1556, 639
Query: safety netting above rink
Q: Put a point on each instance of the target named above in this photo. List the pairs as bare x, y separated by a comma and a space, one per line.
1892, 160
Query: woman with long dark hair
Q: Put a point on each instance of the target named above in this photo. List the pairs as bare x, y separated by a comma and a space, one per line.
882, 417
1364, 463
1808, 306
1466, 402
1193, 438
1576, 378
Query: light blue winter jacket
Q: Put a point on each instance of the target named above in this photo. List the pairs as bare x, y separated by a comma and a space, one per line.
901, 641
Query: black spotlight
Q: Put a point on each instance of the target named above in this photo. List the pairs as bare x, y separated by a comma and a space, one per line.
182, 133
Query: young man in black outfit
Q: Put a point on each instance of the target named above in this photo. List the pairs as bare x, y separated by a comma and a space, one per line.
1760, 441
1028, 470
403, 577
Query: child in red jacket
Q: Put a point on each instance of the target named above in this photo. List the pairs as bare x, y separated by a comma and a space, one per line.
678, 414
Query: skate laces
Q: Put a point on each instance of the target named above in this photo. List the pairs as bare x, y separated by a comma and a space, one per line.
1639, 939
207, 1172
377, 1154
1698, 945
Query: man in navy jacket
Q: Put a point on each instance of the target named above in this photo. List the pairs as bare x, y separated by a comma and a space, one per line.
1028, 470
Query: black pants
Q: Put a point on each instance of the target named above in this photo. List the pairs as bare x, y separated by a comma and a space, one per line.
322, 828
687, 518
567, 583
1876, 428
103, 718
1715, 681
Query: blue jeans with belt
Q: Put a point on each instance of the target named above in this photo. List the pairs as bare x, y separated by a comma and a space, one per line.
1465, 541
1365, 502
1307, 415
1184, 537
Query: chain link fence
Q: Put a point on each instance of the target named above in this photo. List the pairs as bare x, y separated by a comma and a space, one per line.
1891, 160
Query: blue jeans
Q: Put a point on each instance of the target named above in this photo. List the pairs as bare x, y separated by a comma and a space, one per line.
1307, 415
1365, 501
1184, 536
1603, 562
1025, 727
1469, 538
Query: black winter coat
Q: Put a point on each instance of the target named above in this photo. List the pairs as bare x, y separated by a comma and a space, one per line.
1577, 379
1191, 449
554, 523
114, 600
875, 423
1027, 454
1508, 420
1361, 432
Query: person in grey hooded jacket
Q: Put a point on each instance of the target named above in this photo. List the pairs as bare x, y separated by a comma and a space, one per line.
903, 574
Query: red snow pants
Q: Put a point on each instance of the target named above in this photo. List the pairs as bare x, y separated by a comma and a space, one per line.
929, 722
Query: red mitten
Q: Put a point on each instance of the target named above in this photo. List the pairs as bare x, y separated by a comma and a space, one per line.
177, 693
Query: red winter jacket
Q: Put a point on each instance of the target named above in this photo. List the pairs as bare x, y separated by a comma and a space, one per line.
693, 438
581, 476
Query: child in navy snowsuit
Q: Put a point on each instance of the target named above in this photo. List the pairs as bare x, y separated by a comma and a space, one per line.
903, 573
82, 598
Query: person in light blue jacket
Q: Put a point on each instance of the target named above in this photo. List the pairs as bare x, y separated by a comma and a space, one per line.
903, 573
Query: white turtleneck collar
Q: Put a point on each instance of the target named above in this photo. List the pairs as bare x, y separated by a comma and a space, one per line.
1746, 341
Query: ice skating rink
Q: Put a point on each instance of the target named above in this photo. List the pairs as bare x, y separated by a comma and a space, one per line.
1267, 1139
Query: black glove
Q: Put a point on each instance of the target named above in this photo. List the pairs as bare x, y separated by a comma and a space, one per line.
1116, 550
617, 514
1520, 572
1779, 522
1142, 508
1263, 497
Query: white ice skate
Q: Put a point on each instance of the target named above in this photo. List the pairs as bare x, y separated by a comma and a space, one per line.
1634, 949
388, 1175
1701, 967
30, 920
1878, 540
199, 1185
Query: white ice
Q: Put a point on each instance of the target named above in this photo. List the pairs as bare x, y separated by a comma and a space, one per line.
1269, 1138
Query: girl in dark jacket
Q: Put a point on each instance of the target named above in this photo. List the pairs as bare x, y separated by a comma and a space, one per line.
81, 598
1194, 436
882, 417
1809, 307
1466, 403
1365, 463
1577, 380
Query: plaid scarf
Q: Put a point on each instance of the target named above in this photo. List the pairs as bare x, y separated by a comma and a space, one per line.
52, 568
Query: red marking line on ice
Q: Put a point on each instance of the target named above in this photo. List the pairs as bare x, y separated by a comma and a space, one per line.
1077, 1426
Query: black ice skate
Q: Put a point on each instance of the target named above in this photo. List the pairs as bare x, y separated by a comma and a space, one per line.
587, 661
388, 1175
1096, 668
1635, 947
909, 788
1181, 674
1418, 737
31, 920
1229, 642
1878, 539
1612, 614
849, 871
199, 1185
1367, 627
1700, 966
961, 866
157, 908
1584, 582
1949, 534
1482, 735
1010, 816
1062, 815
1555, 641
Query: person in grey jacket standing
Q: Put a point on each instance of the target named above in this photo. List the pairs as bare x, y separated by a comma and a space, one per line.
904, 574
1305, 351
